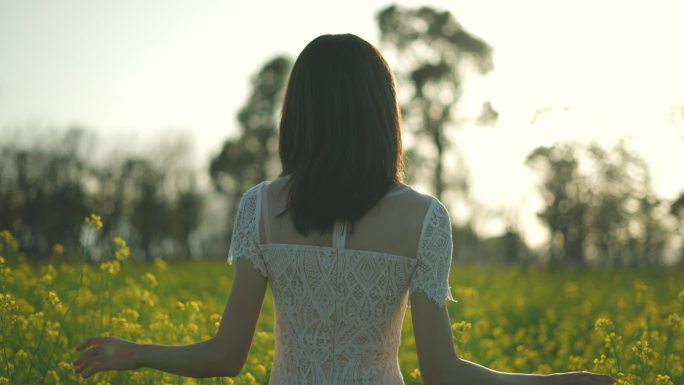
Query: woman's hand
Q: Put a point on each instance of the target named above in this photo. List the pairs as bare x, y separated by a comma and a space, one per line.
106, 353
579, 378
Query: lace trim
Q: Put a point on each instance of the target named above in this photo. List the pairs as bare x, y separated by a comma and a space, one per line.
437, 301
245, 239
431, 276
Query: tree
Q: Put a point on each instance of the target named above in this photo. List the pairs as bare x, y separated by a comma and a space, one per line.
252, 156
49, 182
567, 197
149, 210
186, 212
677, 211
627, 226
434, 49
41, 189
605, 211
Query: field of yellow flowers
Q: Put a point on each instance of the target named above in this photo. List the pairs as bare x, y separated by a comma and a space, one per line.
627, 324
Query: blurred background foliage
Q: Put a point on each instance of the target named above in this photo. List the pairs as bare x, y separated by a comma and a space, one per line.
598, 204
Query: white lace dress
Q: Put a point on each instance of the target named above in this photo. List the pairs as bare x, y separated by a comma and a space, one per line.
339, 312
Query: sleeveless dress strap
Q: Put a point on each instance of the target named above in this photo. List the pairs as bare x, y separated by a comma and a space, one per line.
339, 234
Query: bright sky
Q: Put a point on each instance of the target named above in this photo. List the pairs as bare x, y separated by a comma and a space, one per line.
600, 69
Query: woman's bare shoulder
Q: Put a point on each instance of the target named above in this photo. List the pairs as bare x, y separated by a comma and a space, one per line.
417, 198
277, 183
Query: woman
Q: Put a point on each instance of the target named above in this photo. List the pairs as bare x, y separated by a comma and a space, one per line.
344, 243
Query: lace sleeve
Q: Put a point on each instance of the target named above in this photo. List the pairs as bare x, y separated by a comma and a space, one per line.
245, 239
431, 275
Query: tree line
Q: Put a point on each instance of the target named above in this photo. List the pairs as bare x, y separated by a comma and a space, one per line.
49, 182
599, 205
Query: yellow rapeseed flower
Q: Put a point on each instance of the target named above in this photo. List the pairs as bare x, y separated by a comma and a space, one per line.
415, 373
576, 362
160, 264
52, 377
191, 328
94, 220
21, 355
194, 305
58, 249
146, 298
111, 267
260, 370
643, 350
130, 314
49, 276
8, 303
53, 298
675, 321
119, 322
52, 329
150, 279
122, 251
662, 379
461, 326
603, 324
251, 380
138, 377
63, 365
9, 240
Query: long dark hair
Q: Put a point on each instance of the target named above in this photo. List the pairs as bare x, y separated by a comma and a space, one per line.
340, 132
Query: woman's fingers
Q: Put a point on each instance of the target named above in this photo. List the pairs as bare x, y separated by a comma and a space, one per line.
105, 353
89, 342
90, 354
94, 368
87, 362
92, 358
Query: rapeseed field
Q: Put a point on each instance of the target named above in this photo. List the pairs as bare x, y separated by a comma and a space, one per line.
629, 324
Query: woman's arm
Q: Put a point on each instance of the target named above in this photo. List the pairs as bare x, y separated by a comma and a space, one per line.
222, 355
202, 359
440, 365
